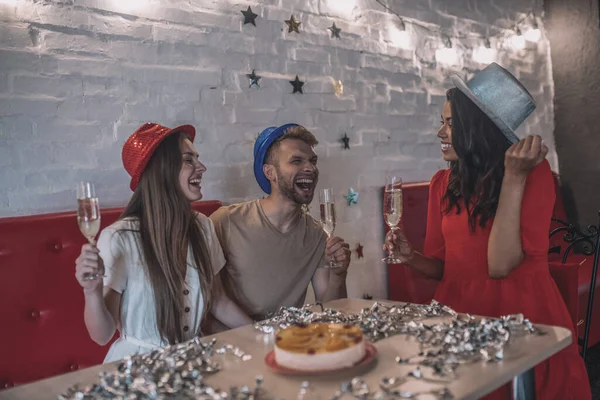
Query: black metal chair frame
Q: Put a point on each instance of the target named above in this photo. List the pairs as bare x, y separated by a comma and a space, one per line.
589, 243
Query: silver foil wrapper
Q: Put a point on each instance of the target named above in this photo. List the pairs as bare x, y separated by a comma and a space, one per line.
388, 389
174, 372
177, 372
458, 339
377, 322
466, 339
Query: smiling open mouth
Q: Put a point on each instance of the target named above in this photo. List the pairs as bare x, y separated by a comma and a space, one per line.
305, 184
195, 182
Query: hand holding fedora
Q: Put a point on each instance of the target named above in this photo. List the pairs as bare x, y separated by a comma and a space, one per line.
500, 96
525, 155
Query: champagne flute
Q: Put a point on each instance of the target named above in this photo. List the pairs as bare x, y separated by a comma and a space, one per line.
327, 208
88, 216
392, 209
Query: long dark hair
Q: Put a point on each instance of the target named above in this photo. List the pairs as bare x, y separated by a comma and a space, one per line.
167, 226
476, 178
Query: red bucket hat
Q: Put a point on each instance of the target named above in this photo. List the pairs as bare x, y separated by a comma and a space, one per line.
140, 146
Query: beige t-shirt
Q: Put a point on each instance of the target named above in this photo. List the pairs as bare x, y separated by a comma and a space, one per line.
266, 269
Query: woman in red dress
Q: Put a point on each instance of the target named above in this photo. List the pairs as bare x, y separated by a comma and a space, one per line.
488, 222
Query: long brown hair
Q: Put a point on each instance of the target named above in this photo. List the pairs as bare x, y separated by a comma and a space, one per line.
167, 226
476, 178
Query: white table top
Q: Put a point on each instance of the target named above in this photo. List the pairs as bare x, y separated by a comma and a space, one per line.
474, 380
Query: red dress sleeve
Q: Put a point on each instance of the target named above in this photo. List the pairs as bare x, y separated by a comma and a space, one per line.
435, 245
536, 210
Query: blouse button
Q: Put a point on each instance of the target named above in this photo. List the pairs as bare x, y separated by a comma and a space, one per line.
185, 328
187, 309
186, 292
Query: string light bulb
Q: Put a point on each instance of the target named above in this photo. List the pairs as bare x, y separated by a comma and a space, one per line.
343, 8
534, 34
447, 55
130, 5
485, 54
400, 36
518, 40
402, 25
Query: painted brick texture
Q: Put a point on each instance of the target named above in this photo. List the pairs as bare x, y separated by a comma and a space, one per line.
77, 77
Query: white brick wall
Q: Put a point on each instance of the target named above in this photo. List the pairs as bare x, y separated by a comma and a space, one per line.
77, 77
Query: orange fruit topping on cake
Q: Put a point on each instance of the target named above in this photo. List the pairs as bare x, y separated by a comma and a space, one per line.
319, 346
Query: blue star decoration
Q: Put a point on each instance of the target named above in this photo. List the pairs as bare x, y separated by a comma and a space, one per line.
253, 79
297, 84
352, 197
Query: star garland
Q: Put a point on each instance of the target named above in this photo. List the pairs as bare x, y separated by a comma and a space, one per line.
352, 197
293, 24
297, 84
335, 31
359, 250
253, 79
345, 141
249, 16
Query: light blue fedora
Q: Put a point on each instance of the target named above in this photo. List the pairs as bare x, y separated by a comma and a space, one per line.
500, 96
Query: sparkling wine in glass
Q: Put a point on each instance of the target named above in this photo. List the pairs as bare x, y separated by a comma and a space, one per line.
392, 208
327, 208
88, 215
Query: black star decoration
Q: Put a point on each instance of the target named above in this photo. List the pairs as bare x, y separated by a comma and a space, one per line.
367, 296
293, 24
253, 79
335, 31
249, 16
297, 84
346, 141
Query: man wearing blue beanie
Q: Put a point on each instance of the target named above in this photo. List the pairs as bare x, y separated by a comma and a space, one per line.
272, 247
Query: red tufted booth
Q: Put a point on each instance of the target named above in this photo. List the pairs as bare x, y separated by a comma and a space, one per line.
42, 330
572, 279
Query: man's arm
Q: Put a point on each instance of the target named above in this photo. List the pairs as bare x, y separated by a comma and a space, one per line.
328, 285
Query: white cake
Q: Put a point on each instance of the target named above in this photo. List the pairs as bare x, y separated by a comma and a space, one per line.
319, 346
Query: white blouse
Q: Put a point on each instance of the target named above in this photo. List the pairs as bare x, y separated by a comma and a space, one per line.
125, 274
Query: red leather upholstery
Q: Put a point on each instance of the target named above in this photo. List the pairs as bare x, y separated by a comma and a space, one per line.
42, 331
405, 284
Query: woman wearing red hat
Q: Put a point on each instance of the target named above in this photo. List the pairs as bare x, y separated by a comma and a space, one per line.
161, 259
488, 222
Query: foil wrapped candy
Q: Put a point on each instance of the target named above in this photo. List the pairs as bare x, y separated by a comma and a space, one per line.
377, 322
178, 371
175, 371
443, 346
388, 389
466, 339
